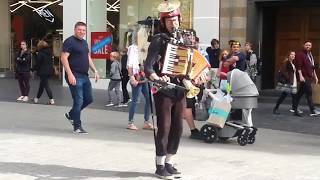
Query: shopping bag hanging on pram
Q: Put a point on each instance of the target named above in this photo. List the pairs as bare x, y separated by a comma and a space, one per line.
219, 113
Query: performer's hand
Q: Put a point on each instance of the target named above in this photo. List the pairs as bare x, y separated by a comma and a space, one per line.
72, 79
164, 78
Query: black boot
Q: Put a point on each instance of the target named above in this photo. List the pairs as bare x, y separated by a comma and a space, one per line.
275, 111
162, 173
296, 113
195, 134
172, 170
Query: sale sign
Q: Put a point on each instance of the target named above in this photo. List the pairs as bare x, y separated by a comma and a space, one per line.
101, 45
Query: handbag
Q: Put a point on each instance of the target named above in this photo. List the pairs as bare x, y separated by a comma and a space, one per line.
288, 88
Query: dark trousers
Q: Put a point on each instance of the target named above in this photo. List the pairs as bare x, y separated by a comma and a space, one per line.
305, 88
283, 97
124, 82
44, 84
24, 84
169, 121
82, 97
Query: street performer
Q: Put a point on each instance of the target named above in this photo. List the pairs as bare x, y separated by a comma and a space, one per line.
169, 102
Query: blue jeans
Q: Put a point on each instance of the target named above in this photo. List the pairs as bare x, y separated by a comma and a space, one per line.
135, 96
82, 97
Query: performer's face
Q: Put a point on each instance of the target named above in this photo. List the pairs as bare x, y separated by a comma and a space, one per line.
172, 23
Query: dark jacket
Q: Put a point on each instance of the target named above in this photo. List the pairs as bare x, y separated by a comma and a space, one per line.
154, 62
23, 62
303, 63
44, 64
288, 72
214, 55
124, 70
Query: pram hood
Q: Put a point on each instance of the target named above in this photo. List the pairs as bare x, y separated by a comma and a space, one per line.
241, 84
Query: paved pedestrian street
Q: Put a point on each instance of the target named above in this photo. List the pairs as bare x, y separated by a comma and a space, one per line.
37, 143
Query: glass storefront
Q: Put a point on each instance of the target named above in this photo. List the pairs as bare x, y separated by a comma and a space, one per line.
120, 17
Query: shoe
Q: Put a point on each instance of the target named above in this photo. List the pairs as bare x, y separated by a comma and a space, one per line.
68, 118
297, 114
123, 104
20, 98
172, 170
148, 126
25, 99
35, 100
109, 104
118, 105
129, 100
275, 111
162, 173
131, 126
299, 111
51, 102
315, 113
195, 134
80, 130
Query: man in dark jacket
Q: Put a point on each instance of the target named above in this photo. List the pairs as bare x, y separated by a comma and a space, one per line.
307, 75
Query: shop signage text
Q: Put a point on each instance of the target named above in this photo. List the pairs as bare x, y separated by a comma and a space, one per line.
101, 45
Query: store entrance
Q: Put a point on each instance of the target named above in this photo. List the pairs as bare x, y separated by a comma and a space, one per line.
37, 20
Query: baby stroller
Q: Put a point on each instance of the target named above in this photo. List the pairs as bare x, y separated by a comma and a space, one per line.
244, 96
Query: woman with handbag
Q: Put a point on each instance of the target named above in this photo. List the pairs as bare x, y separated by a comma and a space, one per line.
287, 80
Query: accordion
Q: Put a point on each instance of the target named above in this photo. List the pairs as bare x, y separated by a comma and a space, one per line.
183, 61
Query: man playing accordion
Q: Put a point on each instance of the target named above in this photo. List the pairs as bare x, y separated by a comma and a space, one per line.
169, 102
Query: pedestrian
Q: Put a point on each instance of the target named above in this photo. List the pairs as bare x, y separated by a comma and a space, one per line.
170, 103
223, 70
76, 61
115, 79
214, 53
139, 85
289, 82
307, 75
124, 77
23, 70
251, 61
44, 68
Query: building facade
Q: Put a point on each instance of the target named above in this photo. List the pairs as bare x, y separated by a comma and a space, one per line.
274, 27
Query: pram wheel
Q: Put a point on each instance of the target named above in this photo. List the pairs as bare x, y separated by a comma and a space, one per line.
243, 137
251, 139
242, 140
209, 133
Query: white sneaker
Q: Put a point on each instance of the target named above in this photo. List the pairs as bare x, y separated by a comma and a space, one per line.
20, 98
51, 102
315, 113
35, 100
109, 104
25, 99
299, 111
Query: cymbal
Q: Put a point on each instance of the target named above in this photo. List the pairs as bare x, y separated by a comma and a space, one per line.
168, 6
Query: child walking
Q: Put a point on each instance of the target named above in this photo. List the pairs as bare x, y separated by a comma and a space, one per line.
115, 79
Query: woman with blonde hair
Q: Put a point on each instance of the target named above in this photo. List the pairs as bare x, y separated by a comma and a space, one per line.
44, 68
